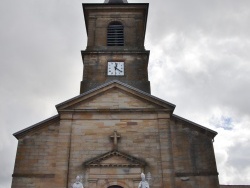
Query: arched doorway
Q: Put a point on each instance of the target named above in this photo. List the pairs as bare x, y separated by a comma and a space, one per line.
115, 186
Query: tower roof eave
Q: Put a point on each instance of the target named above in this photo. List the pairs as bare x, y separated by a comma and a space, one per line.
115, 1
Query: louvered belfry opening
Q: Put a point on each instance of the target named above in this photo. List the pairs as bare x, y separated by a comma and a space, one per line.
115, 34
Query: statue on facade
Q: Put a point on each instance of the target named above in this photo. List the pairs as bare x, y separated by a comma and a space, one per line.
78, 183
143, 183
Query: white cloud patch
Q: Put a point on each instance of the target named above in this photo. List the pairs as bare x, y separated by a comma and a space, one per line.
233, 151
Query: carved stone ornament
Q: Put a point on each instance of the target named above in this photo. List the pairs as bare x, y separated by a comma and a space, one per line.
128, 160
143, 183
184, 178
78, 183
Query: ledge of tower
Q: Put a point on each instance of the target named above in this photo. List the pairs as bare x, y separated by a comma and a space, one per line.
116, 1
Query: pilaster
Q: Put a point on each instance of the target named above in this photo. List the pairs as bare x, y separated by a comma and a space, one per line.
63, 153
166, 150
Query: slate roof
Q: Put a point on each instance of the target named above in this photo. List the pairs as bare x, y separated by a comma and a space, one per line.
37, 125
194, 124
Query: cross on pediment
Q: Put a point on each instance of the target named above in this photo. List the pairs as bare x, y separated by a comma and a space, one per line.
115, 137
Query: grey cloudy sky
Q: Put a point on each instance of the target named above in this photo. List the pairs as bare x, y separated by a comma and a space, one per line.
200, 61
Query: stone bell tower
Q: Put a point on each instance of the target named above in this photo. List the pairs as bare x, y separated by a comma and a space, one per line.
115, 48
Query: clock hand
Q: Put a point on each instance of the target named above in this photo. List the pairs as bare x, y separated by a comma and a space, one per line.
115, 67
118, 69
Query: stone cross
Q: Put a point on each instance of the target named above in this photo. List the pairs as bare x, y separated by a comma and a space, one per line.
115, 137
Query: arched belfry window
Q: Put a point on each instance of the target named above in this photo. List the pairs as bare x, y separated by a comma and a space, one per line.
115, 34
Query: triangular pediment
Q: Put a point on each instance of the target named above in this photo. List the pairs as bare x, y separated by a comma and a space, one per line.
115, 158
115, 95
115, 98
134, 99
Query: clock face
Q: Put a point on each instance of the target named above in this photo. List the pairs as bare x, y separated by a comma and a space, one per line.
116, 68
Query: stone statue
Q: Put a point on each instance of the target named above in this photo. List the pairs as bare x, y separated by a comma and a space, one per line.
143, 183
78, 183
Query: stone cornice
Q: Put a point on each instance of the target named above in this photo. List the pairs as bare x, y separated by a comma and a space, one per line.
24, 175
201, 173
116, 110
116, 52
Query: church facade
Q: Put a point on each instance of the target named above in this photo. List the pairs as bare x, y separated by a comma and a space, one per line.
115, 129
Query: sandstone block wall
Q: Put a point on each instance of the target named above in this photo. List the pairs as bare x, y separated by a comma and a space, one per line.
177, 154
91, 138
193, 156
135, 69
133, 18
36, 158
98, 54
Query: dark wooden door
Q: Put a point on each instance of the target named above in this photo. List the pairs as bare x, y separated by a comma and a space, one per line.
115, 186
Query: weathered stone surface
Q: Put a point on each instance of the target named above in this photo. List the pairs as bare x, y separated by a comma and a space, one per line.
98, 54
115, 99
172, 149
